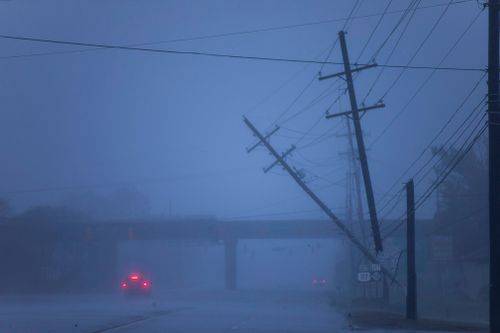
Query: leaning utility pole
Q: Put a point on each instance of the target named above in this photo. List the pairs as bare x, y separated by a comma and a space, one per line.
357, 184
411, 272
354, 114
494, 163
280, 158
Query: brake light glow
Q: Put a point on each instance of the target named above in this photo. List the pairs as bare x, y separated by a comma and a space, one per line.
124, 285
134, 277
145, 284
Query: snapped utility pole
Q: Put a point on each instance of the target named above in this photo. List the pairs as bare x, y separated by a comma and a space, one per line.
354, 114
298, 179
494, 162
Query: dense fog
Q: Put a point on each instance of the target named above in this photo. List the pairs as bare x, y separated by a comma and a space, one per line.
165, 163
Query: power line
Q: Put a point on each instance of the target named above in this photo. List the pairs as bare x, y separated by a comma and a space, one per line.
411, 10
396, 26
227, 34
457, 160
312, 103
444, 176
417, 51
295, 100
336, 39
224, 55
459, 131
438, 134
424, 83
283, 85
451, 147
377, 25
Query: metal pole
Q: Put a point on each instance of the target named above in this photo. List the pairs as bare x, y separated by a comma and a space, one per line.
411, 273
361, 146
494, 163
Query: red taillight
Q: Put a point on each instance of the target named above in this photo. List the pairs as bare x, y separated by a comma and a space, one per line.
134, 277
124, 285
145, 284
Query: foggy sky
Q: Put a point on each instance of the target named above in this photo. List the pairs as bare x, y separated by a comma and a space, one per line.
171, 125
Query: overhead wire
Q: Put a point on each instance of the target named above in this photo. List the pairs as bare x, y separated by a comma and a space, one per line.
460, 131
419, 48
372, 33
463, 150
427, 79
460, 154
217, 55
410, 10
437, 135
226, 34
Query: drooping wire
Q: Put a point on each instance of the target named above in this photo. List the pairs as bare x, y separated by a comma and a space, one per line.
411, 9
436, 136
424, 83
417, 51
372, 33
461, 153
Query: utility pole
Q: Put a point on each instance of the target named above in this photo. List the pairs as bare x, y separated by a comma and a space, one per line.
298, 179
411, 273
354, 114
494, 162
352, 268
357, 184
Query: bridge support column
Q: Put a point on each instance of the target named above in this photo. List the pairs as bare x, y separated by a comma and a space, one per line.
231, 268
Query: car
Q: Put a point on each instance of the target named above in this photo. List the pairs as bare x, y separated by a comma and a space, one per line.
136, 284
319, 282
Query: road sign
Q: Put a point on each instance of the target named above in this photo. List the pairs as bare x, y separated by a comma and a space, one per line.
364, 268
364, 276
376, 276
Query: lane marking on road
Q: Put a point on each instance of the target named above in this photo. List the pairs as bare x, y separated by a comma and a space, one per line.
239, 324
137, 320
122, 325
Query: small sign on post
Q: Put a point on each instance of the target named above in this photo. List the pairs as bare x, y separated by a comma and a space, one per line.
376, 276
364, 277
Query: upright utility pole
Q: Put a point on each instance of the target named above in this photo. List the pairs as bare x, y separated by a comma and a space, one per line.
354, 114
349, 218
411, 272
494, 162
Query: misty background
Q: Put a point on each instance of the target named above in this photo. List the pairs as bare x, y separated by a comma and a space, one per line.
163, 134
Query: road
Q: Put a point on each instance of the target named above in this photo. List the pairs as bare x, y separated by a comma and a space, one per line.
173, 311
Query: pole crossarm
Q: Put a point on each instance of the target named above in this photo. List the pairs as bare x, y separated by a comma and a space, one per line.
365, 251
362, 109
357, 69
267, 136
283, 156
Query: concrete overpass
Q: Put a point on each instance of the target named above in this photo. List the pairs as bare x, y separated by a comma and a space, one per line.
226, 232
